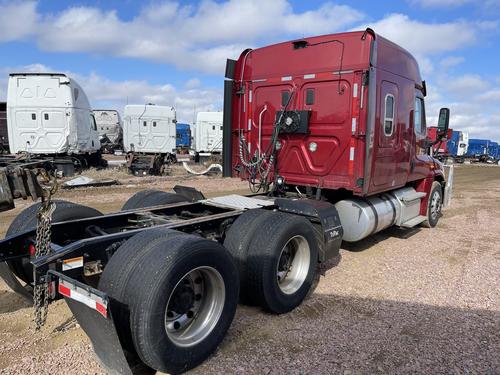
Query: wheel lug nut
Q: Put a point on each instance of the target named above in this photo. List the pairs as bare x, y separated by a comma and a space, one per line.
177, 325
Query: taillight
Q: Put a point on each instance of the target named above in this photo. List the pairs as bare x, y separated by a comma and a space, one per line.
32, 249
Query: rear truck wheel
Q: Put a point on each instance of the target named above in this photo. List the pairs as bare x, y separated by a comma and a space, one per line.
237, 241
27, 220
183, 297
150, 198
434, 205
120, 268
282, 262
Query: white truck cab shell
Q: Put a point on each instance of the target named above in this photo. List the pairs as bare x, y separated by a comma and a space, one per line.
149, 128
109, 124
49, 113
208, 132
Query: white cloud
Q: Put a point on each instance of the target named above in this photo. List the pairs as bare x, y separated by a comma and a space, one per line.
491, 96
17, 20
193, 83
465, 85
425, 38
439, 3
474, 103
450, 61
189, 37
486, 4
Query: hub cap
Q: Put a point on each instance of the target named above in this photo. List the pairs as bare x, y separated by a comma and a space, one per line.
435, 205
195, 306
293, 264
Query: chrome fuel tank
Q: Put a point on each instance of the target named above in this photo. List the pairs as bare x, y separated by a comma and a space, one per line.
362, 217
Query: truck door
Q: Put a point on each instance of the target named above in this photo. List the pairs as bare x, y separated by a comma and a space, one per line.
387, 136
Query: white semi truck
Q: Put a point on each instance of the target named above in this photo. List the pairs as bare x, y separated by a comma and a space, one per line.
208, 134
149, 138
49, 116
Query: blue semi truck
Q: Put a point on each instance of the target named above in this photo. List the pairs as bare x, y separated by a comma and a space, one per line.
460, 148
183, 136
483, 150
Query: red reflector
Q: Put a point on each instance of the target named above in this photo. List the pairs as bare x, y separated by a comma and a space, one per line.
65, 291
32, 249
102, 309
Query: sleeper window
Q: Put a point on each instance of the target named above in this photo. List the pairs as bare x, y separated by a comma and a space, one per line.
154, 124
389, 115
144, 123
419, 115
309, 96
285, 95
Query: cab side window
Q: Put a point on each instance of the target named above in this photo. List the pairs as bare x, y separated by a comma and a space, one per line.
419, 116
389, 115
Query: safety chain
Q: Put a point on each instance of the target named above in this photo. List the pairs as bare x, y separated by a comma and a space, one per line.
42, 246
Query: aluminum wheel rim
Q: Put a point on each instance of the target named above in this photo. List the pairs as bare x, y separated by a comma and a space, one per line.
293, 264
199, 299
435, 205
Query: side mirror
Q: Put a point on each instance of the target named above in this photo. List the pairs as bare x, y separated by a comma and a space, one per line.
443, 122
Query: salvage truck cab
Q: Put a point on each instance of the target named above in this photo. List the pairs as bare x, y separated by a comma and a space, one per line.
330, 133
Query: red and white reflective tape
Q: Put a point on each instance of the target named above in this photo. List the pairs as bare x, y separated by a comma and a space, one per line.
81, 295
321, 75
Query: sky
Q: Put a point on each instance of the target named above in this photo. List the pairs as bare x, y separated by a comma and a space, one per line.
174, 52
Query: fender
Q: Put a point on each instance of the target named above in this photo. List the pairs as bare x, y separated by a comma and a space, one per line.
325, 218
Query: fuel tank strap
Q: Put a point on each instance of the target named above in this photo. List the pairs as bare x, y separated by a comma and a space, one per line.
375, 215
387, 198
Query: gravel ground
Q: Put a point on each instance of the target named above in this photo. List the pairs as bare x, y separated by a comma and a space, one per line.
414, 301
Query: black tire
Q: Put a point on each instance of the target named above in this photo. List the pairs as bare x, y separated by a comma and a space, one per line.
264, 255
27, 220
434, 213
154, 282
118, 271
237, 241
150, 198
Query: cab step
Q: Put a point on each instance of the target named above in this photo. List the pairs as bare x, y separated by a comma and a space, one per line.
410, 197
414, 222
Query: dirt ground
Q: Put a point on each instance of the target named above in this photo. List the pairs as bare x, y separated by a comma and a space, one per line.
401, 301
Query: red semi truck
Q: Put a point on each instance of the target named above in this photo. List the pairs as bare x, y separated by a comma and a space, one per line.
440, 144
330, 133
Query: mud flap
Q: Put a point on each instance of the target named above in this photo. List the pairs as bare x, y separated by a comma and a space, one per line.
12, 281
100, 329
448, 188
